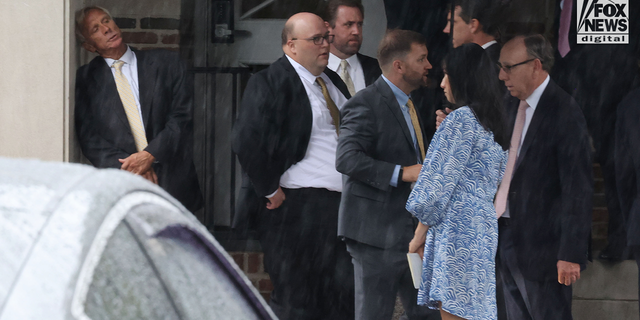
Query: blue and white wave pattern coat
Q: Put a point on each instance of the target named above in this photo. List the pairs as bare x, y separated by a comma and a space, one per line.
454, 196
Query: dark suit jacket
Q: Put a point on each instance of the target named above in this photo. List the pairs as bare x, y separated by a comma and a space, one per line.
550, 194
494, 52
166, 100
627, 163
374, 138
272, 133
370, 68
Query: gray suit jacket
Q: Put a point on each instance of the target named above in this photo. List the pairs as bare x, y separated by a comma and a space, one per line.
374, 138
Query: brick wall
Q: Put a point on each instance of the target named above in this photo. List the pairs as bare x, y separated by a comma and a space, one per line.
600, 216
252, 266
150, 33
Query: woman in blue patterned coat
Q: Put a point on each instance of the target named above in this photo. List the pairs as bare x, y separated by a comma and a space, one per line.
453, 197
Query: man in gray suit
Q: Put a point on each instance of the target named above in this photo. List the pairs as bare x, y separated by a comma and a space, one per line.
380, 148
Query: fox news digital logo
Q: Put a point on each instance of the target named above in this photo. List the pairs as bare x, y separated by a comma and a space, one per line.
603, 21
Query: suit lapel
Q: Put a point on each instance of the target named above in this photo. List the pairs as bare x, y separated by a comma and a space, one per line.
146, 81
299, 93
544, 107
103, 78
392, 103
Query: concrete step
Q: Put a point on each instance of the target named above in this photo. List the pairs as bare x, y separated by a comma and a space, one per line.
607, 291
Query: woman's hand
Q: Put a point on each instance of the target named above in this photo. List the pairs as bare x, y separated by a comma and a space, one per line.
417, 246
419, 237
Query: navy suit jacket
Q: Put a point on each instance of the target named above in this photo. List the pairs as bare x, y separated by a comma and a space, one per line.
370, 68
271, 134
550, 196
166, 101
627, 159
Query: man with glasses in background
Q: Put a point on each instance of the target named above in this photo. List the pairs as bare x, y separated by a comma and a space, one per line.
286, 138
544, 199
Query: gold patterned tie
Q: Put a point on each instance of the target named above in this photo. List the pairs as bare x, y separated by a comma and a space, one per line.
130, 108
344, 75
335, 113
416, 126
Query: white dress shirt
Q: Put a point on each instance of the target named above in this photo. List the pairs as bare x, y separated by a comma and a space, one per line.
130, 71
489, 44
318, 167
356, 73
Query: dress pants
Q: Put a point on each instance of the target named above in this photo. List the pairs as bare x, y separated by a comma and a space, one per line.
380, 274
527, 299
309, 266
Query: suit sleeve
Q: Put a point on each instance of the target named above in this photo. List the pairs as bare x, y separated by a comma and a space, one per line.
255, 136
575, 168
166, 143
98, 150
627, 164
442, 170
356, 146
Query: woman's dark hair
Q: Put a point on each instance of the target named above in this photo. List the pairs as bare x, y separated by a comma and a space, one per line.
474, 82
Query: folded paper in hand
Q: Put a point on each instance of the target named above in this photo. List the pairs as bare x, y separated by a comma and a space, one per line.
415, 265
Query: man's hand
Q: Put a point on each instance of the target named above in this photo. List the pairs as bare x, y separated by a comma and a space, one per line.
568, 272
440, 115
410, 173
137, 163
151, 176
276, 200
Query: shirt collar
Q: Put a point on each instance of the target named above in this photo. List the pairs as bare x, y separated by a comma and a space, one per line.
304, 73
534, 98
489, 44
334, 61
402, 97
127, 57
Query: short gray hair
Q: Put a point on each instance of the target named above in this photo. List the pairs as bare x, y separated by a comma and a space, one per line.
538, 47
81, 15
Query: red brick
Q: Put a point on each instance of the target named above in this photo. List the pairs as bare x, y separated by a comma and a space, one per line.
140, 37
253, 262
265, 285
238, 257
171, 38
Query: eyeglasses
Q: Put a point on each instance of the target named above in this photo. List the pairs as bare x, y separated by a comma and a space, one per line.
317, 40
507, 69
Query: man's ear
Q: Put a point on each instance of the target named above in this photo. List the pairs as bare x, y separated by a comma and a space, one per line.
291, 46
328, 26
89, 47
398, 66
475, 26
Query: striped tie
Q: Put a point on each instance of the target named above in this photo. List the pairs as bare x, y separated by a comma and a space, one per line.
130, 108
346, 77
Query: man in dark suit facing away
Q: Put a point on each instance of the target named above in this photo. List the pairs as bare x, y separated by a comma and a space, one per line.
544, 199
627, 156
380, 150
344, 20
133, 109
474, 22
285, 138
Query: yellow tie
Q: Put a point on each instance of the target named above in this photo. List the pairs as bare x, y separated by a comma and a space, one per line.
416, 127
335, 113
344, 75
130, 108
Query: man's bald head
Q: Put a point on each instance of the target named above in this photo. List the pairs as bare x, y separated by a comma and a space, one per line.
299, 37
296, 21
